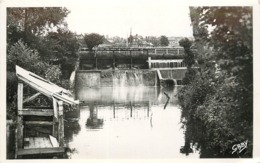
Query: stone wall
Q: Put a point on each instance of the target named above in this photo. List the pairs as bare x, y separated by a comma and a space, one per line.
87, 78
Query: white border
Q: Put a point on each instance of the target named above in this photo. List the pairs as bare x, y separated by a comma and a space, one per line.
60, 3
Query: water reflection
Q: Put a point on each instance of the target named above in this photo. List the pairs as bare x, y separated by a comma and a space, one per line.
93, 121
132, 122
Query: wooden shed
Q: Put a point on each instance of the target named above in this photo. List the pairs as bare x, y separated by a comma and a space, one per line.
41, 117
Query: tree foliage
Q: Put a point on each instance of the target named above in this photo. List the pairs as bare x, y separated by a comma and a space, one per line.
93, 39
36, 21
154, 40
164, 41
36, 39
220, 97
22, 55
44, 29
64, 46
189, 60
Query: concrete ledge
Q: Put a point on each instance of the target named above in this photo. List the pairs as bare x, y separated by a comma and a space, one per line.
88, 71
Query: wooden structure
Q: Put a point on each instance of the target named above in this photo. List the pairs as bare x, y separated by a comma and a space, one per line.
125, 58
41, 117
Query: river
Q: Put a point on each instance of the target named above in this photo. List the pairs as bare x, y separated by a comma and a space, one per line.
126, 122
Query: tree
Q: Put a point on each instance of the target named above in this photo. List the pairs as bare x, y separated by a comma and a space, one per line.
31, 22
154, 40
130, 39
164, 41
219, 104
189, 60
30, 46
44, 29
63, 47
93, 39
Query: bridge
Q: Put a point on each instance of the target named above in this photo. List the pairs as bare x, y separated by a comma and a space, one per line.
125, 58
149, 66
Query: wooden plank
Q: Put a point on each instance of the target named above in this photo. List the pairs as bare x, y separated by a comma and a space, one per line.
20, 96
36, 112
32, 97
19, 135
40, 151
54, 101
55, 118
42, 130
38, 142
54, 141
149, 62
38, 107
45, 143
61, 124
44, 123
48, 92
26, 143
32, 143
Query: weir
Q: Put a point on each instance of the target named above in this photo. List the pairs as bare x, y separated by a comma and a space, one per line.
127, 78
129, 67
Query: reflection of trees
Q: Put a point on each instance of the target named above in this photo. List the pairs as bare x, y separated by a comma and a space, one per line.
71, 112
194, 133
70, 129
69, 152
186, 149
93, 121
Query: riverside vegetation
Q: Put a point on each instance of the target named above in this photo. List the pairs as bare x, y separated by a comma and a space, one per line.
34, 44
217, 99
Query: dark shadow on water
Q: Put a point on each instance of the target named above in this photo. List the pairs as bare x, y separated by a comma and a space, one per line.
93, 121
71, 128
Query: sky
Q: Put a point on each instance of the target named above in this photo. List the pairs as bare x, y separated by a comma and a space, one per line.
117, 19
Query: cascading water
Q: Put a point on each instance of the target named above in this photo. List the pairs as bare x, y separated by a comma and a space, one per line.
124, 81
127, 78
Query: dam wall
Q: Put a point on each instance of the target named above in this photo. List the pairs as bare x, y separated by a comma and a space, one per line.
124, 78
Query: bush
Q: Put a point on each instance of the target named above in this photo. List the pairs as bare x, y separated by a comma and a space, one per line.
29, 59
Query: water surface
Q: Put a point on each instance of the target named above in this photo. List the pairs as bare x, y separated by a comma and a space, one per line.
127, 122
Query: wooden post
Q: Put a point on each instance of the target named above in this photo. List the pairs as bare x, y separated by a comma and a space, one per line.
131, 64
19, 136
96, 60
114, 64
20, 95
149, 63
55, 119
61, 124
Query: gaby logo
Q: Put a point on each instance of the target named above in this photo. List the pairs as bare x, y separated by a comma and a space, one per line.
239, 147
